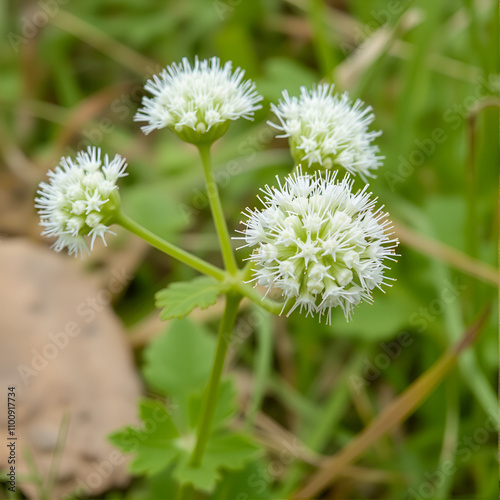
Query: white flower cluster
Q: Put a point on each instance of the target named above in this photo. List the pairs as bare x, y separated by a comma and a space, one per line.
198, 102
80, 200
327, 130
319, 243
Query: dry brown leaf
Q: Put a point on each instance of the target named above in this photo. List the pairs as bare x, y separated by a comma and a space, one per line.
64, 350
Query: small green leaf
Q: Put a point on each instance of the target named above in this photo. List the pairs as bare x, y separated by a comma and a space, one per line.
231, 451
228, 451
178, 364
202, 478
152, 442
150, 460
179, 299
156, 420
158, 445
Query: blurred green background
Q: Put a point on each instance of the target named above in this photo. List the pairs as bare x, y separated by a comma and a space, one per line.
72, 75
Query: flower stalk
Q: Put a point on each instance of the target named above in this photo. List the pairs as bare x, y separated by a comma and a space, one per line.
210, 397
171, 250
216, 208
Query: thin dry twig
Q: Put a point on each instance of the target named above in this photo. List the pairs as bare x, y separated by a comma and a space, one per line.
276, 437
381, 42
451, 256
349, 30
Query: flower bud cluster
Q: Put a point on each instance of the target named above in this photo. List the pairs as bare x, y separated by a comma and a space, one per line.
328, 131
80, 200
319, 243
198, 102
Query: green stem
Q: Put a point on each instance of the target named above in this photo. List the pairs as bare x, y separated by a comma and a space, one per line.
210, 397
217, 212
199, 264
166, 247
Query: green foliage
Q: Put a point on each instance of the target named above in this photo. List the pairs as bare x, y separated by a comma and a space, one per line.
223, 451
153, 443
179, 299
430, 77
177, 364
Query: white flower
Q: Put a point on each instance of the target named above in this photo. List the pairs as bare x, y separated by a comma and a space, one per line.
327, 130
80, 200
318, 242
198, 102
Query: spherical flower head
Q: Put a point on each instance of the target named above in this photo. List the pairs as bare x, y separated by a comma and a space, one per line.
80, 200
198, 102
322, 245
328, 131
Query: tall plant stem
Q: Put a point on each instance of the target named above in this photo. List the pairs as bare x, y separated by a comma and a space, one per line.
217, 213
210, 397
166, 247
